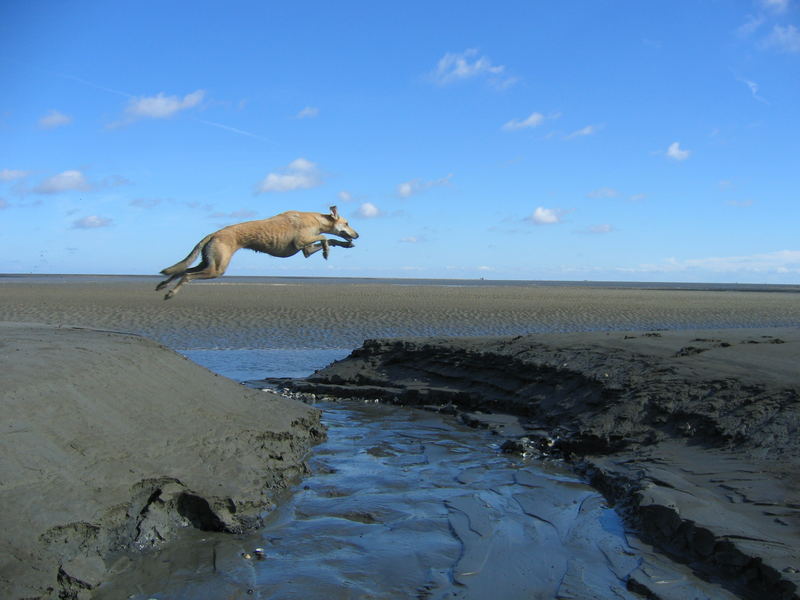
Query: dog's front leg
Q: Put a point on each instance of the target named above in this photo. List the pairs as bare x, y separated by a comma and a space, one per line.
316, 247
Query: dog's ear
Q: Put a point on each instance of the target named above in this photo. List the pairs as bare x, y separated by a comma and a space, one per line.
334, 212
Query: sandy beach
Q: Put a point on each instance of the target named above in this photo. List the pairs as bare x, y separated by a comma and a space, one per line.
681, 405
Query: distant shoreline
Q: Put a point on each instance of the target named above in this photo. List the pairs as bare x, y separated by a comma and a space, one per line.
422, 281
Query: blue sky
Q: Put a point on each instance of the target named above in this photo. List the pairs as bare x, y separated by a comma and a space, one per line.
601, 140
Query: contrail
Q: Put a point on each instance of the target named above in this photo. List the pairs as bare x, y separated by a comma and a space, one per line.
233, 129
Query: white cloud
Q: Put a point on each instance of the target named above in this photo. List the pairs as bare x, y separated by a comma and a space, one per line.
161, 106
64, 182
782, 261
588, 130
345, 196
415, 186
454, 66
784, 39
637, 197
546, 216
12, 174
675, 152
603, 192
300, 174
54, 119
91, 222
368, 211
534, 120
309, 112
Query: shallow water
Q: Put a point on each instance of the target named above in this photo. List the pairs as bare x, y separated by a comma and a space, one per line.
404, 503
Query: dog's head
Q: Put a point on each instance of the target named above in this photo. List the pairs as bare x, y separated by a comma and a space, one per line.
341, 227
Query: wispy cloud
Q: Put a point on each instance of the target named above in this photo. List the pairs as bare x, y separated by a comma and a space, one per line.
461, 66
300, 174
675, 152
309, 112
778, 6
145, 202
54, 119
783, 39
603, 192
74, 180
599, 229
13, 174
415, 186
740, 203
92, 222
753, 87
584, 131
533, 120
368, 210
65, 181
782, 261
414, 239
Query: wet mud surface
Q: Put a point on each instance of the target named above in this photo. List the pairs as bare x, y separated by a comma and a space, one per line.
404, 503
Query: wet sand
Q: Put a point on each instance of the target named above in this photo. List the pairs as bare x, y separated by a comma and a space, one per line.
295, 313
111, 442
653, 464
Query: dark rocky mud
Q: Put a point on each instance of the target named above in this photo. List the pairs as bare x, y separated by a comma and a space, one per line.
692, 435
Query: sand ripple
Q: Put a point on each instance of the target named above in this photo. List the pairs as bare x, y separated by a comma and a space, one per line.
341, 315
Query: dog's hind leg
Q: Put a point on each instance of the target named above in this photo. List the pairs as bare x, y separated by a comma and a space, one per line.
216, 258
168, 280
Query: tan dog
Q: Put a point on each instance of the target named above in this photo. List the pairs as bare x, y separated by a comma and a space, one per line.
283, 235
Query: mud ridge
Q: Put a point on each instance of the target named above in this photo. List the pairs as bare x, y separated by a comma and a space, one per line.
697, 449
112, 443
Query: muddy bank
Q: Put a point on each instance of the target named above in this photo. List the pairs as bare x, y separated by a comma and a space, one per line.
694, 434
111, 442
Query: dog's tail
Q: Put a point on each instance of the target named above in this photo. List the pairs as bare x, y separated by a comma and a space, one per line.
182, 266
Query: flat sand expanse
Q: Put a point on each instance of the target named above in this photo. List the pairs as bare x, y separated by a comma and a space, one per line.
265, 315
111, 442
